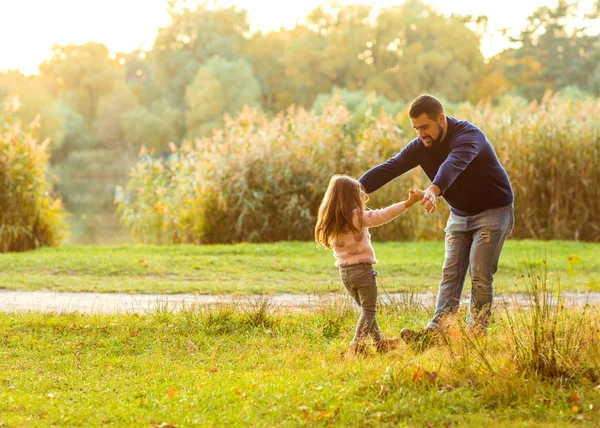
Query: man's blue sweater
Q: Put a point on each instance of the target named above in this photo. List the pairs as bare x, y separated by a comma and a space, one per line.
464, 166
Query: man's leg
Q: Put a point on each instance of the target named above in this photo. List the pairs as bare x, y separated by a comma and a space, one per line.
454, 270
493, 228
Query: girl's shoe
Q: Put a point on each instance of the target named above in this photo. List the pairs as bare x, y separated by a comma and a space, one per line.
358, 349
387, 345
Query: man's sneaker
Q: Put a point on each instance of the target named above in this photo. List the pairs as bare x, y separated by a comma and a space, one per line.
419, 339
387, 345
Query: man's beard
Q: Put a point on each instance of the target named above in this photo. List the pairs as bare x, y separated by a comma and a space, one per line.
434, 142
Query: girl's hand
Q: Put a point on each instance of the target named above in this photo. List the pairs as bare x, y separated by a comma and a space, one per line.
414, 195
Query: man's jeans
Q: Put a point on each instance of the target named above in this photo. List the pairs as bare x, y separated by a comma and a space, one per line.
473, 243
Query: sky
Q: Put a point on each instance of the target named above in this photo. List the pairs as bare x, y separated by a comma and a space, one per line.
29, 28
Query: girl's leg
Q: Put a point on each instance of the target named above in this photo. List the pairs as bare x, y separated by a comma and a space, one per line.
365, 285
376, 334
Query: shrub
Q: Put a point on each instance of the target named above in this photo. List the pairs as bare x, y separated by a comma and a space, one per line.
30, 216
262, 179
549, 339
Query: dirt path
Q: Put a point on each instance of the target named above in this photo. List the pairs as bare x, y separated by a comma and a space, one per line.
44, 301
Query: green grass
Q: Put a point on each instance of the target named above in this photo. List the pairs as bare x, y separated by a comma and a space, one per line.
263, 367
290, 267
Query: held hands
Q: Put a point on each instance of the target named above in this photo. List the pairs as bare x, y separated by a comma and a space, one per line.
414, 196
428, 200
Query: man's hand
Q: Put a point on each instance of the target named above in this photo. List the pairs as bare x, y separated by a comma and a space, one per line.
429, 196
414, 196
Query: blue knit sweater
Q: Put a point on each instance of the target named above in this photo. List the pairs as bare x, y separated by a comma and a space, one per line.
464, 166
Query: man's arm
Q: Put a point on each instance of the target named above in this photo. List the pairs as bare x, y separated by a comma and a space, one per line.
382, 174
458, 159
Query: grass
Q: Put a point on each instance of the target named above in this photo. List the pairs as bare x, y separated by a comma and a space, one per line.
266, 367
286, 267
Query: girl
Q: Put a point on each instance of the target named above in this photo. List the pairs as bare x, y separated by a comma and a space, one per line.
343, 225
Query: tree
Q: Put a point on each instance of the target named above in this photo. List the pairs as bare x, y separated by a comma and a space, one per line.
364, 107
77, 135
266, 52
153, 127
561, 43
80, 75
108, 128
421, 50
192, 38
220, 87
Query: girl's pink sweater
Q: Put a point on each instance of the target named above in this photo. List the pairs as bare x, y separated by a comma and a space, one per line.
350, 248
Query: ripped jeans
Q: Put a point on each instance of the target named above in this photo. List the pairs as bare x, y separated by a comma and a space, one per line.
472, 243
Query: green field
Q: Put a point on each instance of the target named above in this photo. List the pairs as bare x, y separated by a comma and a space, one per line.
290, 267
266, 367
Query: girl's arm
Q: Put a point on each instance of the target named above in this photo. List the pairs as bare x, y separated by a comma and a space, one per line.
373, 218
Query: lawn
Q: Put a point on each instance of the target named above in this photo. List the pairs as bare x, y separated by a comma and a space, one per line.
286, 267
265, 367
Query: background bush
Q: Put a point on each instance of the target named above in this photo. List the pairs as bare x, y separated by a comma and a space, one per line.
30, 216
262, 179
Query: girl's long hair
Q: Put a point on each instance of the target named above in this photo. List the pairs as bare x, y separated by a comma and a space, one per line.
343, 196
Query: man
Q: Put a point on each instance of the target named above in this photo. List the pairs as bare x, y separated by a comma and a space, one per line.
465, 171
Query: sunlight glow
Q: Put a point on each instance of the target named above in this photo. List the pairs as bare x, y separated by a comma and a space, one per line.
29, 28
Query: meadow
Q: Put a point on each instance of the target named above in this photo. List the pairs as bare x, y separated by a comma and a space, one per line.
261, 366
283, 267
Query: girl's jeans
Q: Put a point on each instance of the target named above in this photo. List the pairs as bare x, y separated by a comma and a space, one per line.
360, 282
473, 243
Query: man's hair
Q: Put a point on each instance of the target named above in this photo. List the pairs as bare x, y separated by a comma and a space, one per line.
427, 104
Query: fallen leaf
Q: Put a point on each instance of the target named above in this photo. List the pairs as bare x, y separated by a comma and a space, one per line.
191, 347
324, 414
431, 376
304, 410
418, 375
172, 392
574, 398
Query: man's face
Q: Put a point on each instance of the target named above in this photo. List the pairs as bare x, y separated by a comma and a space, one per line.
429, 131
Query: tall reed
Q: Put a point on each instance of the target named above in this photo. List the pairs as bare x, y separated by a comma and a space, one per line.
262, 179
30, 215
550, 337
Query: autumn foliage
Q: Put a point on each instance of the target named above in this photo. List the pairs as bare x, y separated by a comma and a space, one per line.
262, 179
30, 216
